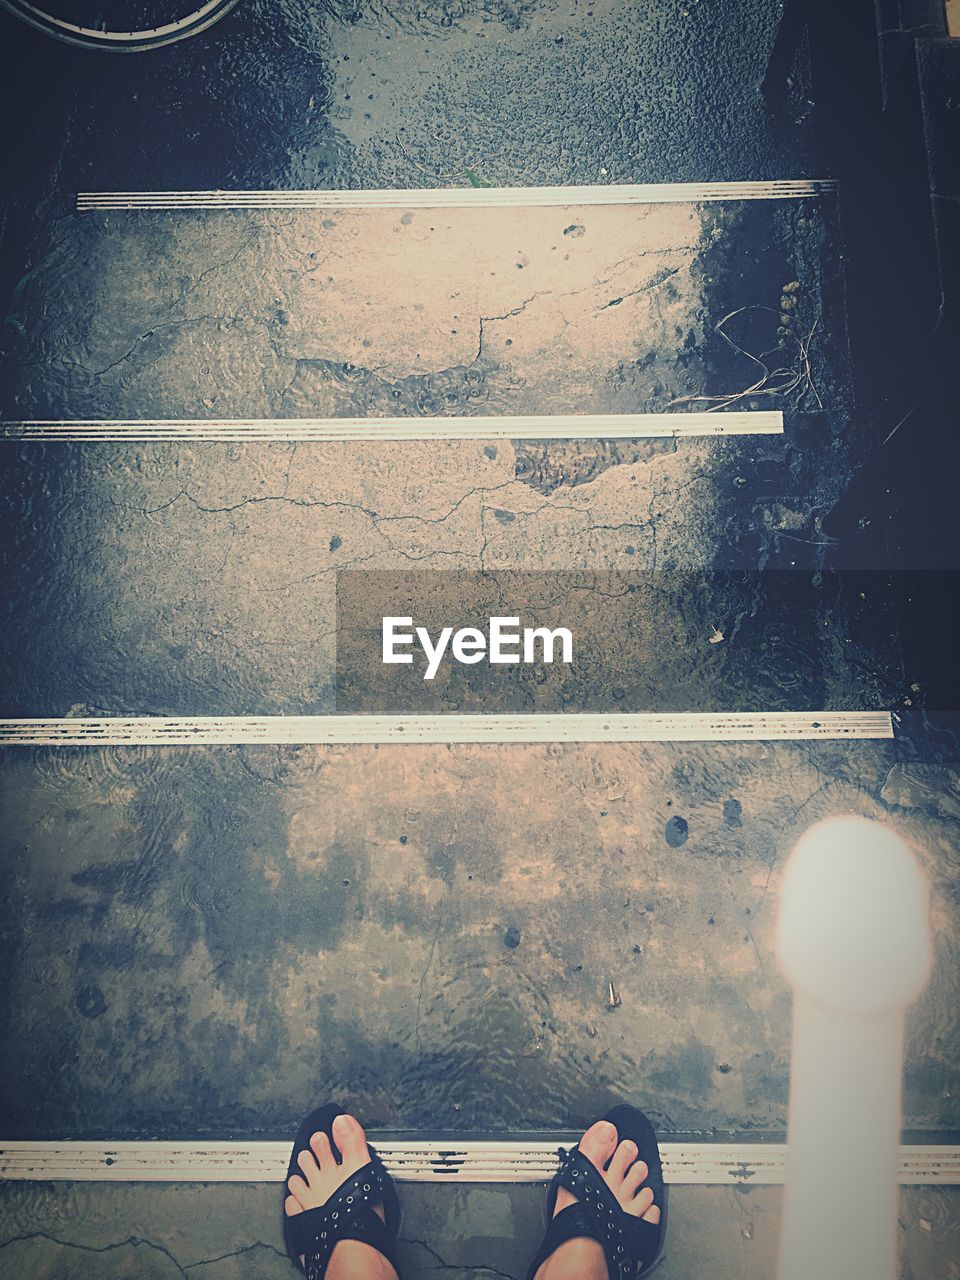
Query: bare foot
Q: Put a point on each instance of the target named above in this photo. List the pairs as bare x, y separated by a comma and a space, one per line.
623, 1173
321, 1177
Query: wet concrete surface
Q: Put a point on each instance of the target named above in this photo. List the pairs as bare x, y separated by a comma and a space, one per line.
400, 94
211, 941
83, 1232
408, 94
203, 579
369, 312
200, 579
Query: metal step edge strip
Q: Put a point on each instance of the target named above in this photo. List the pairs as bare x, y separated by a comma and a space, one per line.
629, 426
461, 197
421, 729
688, 1164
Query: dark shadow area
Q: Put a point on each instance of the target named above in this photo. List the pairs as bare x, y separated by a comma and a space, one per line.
885, 88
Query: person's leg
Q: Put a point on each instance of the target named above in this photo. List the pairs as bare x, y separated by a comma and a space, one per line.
319, 1178
582, 1259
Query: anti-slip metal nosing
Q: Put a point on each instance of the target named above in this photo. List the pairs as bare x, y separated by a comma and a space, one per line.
160, 731
597, 426
425, 1160
463, 197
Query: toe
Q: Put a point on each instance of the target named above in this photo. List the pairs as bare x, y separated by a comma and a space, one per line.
640, 1203
308, 1166
622, 1159
598, 1143
352, 1141
298, 1189
320, 1145
292, 1206
634, 1178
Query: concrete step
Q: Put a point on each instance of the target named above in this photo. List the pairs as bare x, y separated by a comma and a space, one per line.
645, 305
202, 580
491, 1233
478, 937
417, 94
481, 938
484, 309
268, 312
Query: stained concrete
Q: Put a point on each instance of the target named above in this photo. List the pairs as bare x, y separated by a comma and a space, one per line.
83, 1232
202, 580
455, 313
212, 940
342, 313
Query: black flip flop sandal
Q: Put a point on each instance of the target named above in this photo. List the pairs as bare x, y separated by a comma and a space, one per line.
348, 1214
631, 1246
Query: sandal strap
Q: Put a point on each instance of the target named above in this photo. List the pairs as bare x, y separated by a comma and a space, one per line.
347, 1215
628, 1243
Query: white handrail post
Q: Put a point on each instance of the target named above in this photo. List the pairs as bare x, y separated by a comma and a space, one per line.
854, 943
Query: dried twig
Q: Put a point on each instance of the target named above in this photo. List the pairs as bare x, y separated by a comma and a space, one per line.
468, 172
772, 382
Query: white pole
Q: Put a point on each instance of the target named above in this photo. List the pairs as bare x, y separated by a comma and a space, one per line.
854, 943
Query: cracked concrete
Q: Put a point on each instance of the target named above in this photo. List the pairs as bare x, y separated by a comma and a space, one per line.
240, 546
211, 941
83, 1232
368, 312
